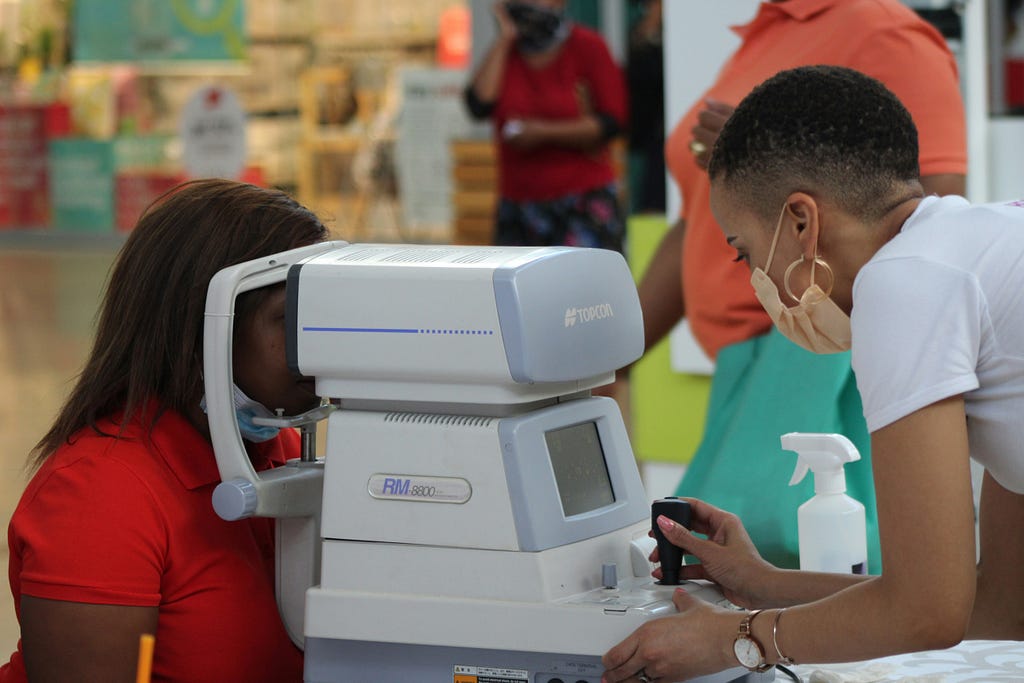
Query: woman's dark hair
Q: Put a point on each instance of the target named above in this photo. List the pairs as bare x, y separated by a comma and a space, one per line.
149, 339
818, 129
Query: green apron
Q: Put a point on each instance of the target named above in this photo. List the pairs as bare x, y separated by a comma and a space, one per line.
763, 388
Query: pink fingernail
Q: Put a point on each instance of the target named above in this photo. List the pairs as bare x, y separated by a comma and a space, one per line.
665, 523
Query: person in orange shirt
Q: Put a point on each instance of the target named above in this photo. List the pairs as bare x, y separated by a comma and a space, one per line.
765, 386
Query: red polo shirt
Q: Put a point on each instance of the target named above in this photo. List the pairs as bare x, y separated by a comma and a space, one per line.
583, 77
129, 521
882, 38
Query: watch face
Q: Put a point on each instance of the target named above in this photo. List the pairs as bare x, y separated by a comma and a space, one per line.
747, 652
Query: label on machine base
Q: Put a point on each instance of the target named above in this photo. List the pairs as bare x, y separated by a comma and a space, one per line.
487, 674
343, 661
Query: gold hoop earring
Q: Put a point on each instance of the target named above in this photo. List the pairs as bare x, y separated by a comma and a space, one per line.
816, 262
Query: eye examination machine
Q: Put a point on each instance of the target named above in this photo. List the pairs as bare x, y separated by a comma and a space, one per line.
477, 516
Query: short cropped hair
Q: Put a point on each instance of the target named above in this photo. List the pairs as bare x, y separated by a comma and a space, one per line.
821, 129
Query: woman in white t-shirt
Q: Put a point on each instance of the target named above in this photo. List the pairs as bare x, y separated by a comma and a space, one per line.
814, 181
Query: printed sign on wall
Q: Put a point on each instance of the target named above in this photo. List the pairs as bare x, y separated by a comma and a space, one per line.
212, 130
158, 30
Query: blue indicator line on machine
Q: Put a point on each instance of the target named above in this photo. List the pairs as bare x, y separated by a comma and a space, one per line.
385, 330
399, 330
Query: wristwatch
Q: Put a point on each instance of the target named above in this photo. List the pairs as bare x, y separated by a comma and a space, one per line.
512, 128
748, 651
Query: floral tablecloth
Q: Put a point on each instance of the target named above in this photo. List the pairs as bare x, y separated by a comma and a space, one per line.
972, 661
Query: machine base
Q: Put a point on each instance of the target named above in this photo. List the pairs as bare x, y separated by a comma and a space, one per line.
350, 661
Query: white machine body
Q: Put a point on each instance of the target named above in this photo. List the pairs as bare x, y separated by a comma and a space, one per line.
482, 519
514, 554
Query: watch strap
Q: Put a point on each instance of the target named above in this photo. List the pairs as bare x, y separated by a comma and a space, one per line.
746, 631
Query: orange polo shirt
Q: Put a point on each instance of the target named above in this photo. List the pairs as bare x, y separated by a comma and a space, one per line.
881, 38
129, 521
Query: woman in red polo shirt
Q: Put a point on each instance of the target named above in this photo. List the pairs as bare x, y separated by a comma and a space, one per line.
115, 535
557, 99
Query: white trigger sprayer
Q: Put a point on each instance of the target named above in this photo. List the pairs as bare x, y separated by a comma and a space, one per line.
831, 525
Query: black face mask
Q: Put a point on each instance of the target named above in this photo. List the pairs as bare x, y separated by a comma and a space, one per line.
540, 29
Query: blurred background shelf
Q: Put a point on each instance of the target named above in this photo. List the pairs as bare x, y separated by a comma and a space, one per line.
56, 239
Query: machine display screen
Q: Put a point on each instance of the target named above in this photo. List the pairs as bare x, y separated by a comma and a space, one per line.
580, 470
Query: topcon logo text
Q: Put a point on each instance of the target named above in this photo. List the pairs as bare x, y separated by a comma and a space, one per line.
586, 314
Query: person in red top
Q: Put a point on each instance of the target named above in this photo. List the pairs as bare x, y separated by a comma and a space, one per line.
115, 535
765, 386
556, 98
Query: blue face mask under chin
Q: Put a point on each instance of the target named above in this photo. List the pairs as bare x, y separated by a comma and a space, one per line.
245, 410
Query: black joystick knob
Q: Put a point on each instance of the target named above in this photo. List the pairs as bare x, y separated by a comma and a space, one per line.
671, 556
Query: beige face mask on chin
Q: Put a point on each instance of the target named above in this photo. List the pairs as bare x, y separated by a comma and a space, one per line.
816, 323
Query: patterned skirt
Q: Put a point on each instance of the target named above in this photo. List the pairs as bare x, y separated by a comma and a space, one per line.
588, 219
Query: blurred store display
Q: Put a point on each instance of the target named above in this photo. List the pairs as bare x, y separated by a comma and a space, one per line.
89, 120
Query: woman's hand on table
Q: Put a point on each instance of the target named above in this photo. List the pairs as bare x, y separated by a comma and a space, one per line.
699, 639
695, 642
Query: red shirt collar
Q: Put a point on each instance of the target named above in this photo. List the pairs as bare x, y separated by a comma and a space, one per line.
798, 10
187, 452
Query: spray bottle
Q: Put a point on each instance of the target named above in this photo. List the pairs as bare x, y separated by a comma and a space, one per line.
831, 525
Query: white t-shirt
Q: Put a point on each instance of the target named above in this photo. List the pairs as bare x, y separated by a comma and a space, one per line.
939, 311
